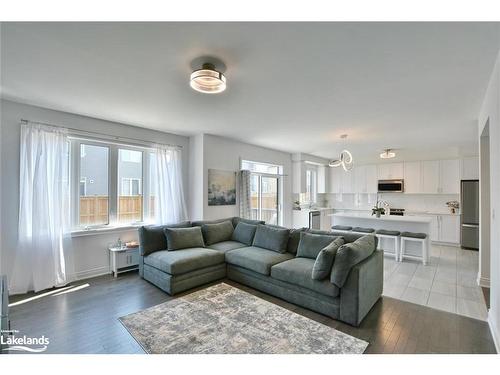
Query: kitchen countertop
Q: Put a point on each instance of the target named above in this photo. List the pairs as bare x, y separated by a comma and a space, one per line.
366, 216
407, 212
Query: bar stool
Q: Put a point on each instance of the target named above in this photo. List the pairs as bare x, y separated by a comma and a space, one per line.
392, 235
414, 237
361, 230
342, 228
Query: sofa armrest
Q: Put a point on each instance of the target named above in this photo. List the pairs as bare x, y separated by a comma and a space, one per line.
362, 289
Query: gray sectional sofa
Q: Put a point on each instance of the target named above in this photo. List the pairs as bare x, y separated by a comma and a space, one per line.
334, 273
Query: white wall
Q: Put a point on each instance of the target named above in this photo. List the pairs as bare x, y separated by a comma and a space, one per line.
91, 255
484, 209
490, 113
225, 154
196, 168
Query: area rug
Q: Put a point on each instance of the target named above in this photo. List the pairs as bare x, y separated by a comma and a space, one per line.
223, 319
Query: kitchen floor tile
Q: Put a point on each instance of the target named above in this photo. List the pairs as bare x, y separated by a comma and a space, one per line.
394, 291
444, 288
442, 302
421, 283
470, 293
472, 309
415, 295
399, 279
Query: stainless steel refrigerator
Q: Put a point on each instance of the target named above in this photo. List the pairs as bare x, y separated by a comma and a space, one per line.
469, 222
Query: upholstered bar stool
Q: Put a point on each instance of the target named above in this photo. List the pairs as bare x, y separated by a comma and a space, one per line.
414, 237
361, 230
342, 228
392, 235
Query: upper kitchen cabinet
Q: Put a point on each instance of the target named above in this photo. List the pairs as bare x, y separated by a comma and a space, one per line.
365, 179
413, 177
470, 168
335, 180
390, 171
322, 179
449, 176
347, 178
430, 177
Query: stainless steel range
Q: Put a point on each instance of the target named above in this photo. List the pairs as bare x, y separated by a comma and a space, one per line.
397, 211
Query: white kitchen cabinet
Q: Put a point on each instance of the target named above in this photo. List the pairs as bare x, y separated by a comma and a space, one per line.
371, 179
347, 178
449, 228
470, 168
335, 180
412, 177
360, 179
430, 177
449, 176
322, 179
390, 171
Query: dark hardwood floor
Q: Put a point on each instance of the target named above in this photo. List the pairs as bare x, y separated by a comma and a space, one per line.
86, 320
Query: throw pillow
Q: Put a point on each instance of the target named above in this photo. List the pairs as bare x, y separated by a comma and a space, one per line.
294, 239
213, 233
349, 255
324, 262
271, 238
311, 244
244, 233
152, 238
183, 238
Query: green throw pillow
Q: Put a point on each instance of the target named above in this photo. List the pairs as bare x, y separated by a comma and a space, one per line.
311, 244
213, 233
324, 262
349, 255
271, 237
244, 233
183, 238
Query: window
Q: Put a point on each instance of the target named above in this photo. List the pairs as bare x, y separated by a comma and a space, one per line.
94, 187
265, 191
110, 183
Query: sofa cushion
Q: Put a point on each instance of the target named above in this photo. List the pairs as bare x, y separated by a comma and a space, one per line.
294, 239
152, 238
256, 259
182, 261
324, 261
227, 246
311, 244
218, 232
271, 237
298, 271
238, 219
348, 237
184, 238
244, 233
350, 254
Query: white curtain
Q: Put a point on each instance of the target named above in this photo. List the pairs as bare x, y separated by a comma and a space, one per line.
170, 205
244, 194
43, 256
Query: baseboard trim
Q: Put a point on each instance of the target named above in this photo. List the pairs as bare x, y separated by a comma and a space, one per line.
94, 272
494, 332
483, 281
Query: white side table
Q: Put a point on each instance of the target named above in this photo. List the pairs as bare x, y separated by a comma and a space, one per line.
123, 259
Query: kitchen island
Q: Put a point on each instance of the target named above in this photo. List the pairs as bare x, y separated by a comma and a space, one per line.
417, 224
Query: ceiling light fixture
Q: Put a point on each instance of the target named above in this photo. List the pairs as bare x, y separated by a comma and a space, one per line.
387, 154
345, 159
208, 80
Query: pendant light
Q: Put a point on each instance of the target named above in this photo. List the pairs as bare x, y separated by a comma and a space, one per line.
345, 158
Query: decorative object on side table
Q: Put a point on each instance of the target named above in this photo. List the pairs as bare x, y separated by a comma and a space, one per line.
377, 209
123, 258
453, 206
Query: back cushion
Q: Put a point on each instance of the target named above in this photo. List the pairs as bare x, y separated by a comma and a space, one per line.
238, 219
152, 238
183, 238
271, 237
244, 233
323, 265
349, 255
199, 223
213, 233
348, 237
311, 244
294, 239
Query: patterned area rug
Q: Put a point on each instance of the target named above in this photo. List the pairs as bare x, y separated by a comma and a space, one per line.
223, 319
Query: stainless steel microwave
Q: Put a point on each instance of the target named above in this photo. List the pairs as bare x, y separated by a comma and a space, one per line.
391, 186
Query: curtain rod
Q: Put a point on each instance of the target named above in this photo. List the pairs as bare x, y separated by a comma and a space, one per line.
113, 137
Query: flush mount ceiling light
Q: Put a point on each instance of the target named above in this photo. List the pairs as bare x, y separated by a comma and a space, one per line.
208, 80
345, 159
387, 154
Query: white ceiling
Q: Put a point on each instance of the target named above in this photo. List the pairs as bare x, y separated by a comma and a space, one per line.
297, 87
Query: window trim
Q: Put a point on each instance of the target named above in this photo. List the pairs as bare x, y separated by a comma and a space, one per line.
113, 188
